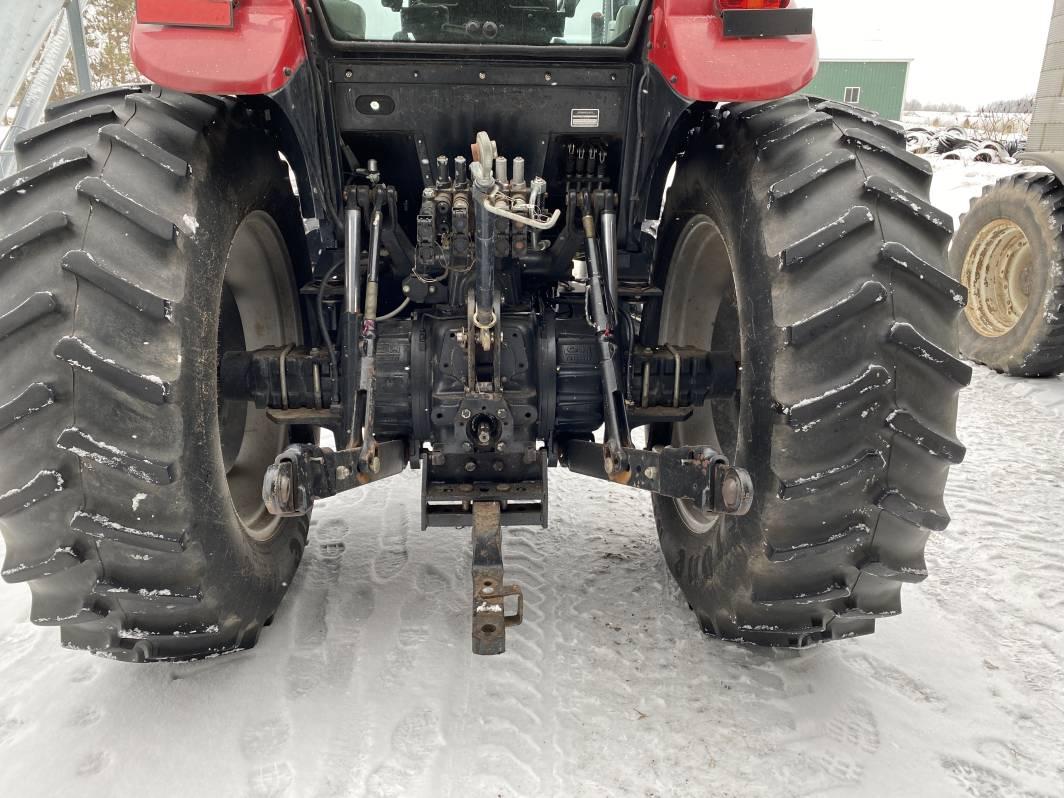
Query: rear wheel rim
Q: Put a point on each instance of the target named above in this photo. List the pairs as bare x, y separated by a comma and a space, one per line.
257, 310
997, 274
699, 309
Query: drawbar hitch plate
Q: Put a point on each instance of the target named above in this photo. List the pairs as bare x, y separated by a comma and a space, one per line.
489, 593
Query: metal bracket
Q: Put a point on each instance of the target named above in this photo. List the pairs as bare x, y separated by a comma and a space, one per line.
489, 593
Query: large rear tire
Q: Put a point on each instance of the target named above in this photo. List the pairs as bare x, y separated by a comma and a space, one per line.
800, 237
1008, 252
146, 231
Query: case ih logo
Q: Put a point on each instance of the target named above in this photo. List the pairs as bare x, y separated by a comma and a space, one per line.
576, 353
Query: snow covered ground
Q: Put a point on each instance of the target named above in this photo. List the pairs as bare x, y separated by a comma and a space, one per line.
365, 686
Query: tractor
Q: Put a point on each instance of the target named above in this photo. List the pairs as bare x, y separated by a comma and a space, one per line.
333, 240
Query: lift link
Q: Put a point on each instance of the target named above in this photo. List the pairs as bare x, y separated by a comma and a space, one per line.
367, 459
489, 593
695, 473
618, 438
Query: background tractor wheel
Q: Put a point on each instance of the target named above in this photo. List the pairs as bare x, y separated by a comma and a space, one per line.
1009, 253
800, 237
145, 232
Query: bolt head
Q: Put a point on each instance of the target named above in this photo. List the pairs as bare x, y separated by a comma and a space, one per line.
466, 413
471, 466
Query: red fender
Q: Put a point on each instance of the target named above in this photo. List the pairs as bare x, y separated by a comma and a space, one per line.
256, 55
687, 45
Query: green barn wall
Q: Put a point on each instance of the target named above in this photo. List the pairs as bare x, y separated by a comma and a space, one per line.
882, 84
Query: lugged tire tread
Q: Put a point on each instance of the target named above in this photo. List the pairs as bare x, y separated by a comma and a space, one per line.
84, 265
867, 296
32, 400
895, 255
100, 527
907, 202
50, 222
909, 340
874, 380
820, 243
166, 110
883, 571
749, 112
44, 483
23, 178
826, 596
851, 538
790, 129
806, 176
884, 126
840, 474
94, 98
895, 150
86, 447
942, 446
81, 355
146, 149
57, 562
37, 305
128, 595
895, 503
101, 191
92, 113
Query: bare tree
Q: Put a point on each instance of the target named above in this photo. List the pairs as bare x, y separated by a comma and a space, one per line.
949, 108
107, 25
1003, 120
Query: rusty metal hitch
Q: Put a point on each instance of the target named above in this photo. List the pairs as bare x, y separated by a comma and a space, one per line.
696, 473
489, 592
303, 473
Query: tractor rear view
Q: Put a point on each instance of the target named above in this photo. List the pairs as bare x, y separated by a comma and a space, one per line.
465, 238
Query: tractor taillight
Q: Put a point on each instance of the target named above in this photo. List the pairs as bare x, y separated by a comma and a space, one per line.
728, 5
191, 13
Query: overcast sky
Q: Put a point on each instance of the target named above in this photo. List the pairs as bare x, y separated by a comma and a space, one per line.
964, 51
